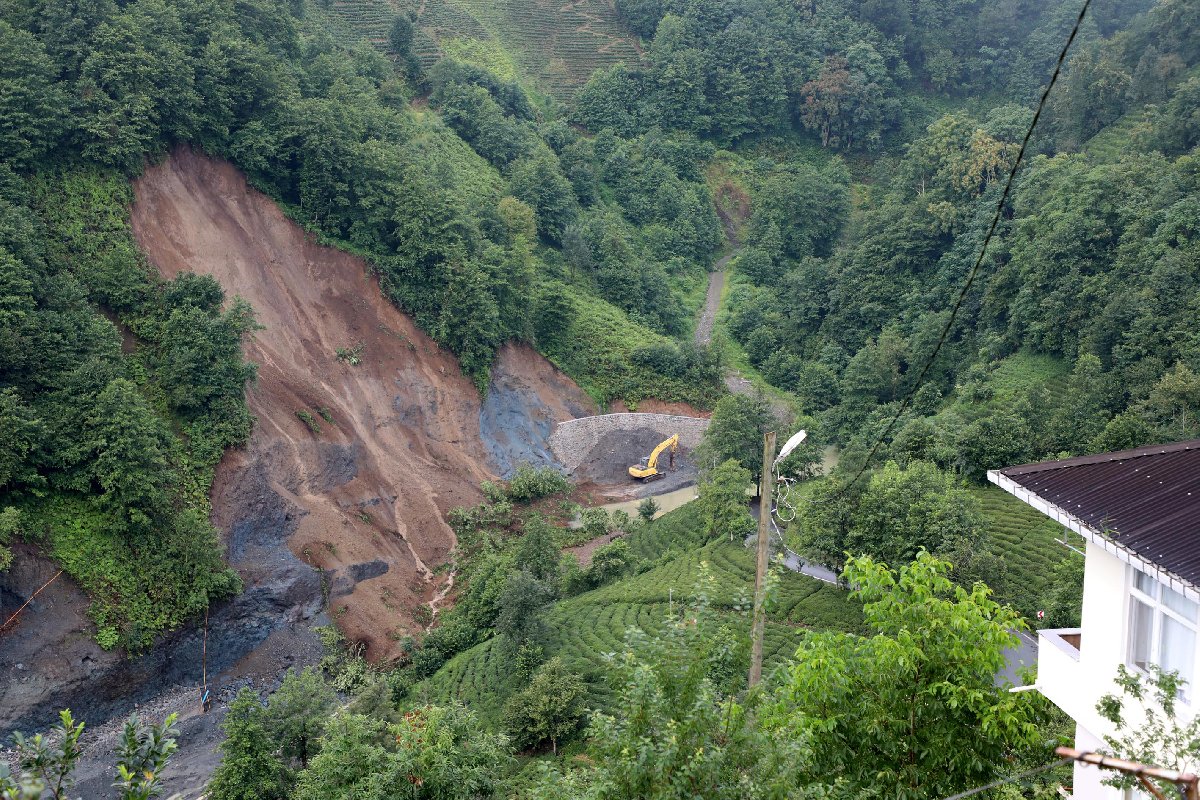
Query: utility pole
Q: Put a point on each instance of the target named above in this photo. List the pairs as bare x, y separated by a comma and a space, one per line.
760, 572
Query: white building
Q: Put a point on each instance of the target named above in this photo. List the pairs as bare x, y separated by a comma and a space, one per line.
1138, 513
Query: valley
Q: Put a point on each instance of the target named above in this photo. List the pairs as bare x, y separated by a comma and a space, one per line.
332, 333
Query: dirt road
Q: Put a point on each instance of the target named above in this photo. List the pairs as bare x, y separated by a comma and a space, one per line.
734, 381
712, 302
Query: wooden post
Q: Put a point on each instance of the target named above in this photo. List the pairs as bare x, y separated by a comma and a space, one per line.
760, 572
1185, 782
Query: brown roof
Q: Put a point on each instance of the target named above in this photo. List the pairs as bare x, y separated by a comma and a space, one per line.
1146, 499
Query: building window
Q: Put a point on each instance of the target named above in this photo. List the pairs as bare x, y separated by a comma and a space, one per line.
1162, 628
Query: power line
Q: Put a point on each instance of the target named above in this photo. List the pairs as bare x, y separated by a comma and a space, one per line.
17, 613
962, 296
1010, 779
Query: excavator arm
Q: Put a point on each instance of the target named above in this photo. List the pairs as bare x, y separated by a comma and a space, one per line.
673, 443
648, 469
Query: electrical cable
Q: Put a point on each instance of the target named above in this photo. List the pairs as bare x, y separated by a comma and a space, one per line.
1010, 779
962, 296
30, 600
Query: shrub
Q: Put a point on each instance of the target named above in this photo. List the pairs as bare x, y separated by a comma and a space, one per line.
351, 355
647, 509
595, 522
531, 483
309, 420
550, 708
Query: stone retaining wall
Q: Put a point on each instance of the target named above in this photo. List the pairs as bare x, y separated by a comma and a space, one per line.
573, 440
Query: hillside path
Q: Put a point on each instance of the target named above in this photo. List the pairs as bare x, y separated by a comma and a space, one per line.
712, 302
734, 381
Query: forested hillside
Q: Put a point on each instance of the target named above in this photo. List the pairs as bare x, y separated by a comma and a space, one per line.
1078, 336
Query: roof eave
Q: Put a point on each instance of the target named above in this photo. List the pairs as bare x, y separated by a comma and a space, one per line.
1096, 537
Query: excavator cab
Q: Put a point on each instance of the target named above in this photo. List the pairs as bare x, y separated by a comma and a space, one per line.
647, 470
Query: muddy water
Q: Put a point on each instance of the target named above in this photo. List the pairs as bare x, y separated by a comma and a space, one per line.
667, 501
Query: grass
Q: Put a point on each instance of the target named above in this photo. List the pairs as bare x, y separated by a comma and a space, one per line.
594, 348
690, 290
486, 53
582, 629
734, 356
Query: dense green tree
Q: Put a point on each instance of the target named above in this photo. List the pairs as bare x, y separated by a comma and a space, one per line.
723, 501
537, 553
433, 752
904, 511
132, 450
609, 562
250, 768
29, 98
10, 527
893, 515
736, 432
537, 181
296, 714
520, 606
550, 708
996, 441
21, 431
1174, 403
937, 722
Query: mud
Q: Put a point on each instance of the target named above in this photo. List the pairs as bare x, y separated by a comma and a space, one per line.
409, 438
354, 512
652, 406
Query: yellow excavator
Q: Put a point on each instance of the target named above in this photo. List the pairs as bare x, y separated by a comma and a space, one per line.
647, 470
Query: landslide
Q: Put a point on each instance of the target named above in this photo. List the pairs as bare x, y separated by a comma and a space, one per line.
364, 500
366, 496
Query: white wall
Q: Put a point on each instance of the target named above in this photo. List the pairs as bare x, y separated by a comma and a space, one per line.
1086, 780
1076, 686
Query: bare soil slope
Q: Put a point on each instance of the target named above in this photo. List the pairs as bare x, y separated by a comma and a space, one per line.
366, 497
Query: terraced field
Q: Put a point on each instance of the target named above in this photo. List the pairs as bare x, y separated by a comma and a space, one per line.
552, 46
557, 43
582, 629
1029, 542
362, 19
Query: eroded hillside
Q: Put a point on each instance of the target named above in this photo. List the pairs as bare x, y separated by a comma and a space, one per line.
363, 459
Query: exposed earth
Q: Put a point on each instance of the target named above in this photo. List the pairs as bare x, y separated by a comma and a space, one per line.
364, 498
338, 516
608, 463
